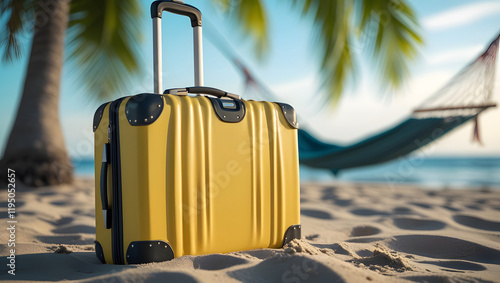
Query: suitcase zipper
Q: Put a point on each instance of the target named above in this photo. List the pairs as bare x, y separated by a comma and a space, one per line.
117, 221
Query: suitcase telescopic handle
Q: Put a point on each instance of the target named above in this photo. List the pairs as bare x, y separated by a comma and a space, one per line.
106, 211
176, 7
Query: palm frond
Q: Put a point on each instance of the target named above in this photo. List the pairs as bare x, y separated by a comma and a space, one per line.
332, 26
14, 13
391, 32
251, 17
388, 28
103, 42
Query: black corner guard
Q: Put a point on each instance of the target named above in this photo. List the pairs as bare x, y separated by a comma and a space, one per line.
143, 109
289, 114
293, 232
99, 252
98, 116
149, 251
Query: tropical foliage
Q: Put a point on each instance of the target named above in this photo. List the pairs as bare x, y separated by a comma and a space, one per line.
386, 29
103, 40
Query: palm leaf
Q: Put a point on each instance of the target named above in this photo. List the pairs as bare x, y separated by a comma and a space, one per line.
391, 32
332, 29
103, 43
251, 17
388, 28
15, 14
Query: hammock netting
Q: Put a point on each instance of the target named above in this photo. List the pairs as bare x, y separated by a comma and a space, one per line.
466, 96
461, 100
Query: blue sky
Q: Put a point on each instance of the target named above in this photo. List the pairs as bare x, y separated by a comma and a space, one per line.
455, 32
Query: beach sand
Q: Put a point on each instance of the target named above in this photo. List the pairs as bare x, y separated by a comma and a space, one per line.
350, 233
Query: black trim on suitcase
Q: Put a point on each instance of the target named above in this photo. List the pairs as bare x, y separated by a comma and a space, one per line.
149, 251
98, 116
293, 232
117, 215
143, 109
99, 252
289, 114
233, 114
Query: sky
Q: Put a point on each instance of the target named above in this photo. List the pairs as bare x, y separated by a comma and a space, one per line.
454, 31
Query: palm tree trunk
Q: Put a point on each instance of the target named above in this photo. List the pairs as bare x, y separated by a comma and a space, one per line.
35, 148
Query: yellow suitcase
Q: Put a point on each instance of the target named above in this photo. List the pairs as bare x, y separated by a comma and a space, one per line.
178, 174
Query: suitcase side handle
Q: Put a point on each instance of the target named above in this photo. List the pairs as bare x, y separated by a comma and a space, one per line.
176, 7
202, 90
106, 211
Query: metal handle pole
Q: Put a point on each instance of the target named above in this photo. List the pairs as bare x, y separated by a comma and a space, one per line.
198, 56
176, 7
157, 55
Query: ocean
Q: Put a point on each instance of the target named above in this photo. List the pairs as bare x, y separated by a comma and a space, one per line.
428, 172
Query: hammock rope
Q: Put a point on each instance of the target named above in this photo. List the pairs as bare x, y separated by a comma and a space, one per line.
468, 93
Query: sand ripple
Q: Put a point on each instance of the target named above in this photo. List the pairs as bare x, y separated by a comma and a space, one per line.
445, 248
477, 222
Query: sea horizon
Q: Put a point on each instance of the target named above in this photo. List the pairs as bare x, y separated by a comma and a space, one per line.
437, 172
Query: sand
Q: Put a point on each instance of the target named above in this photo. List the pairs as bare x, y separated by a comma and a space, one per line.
350, 233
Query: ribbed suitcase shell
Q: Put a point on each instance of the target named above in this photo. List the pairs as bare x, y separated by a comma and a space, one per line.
200, 184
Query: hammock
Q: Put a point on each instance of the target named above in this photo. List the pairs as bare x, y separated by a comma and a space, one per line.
466, 96
461, 100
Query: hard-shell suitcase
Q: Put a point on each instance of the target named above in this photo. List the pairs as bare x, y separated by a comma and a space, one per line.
178, 174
